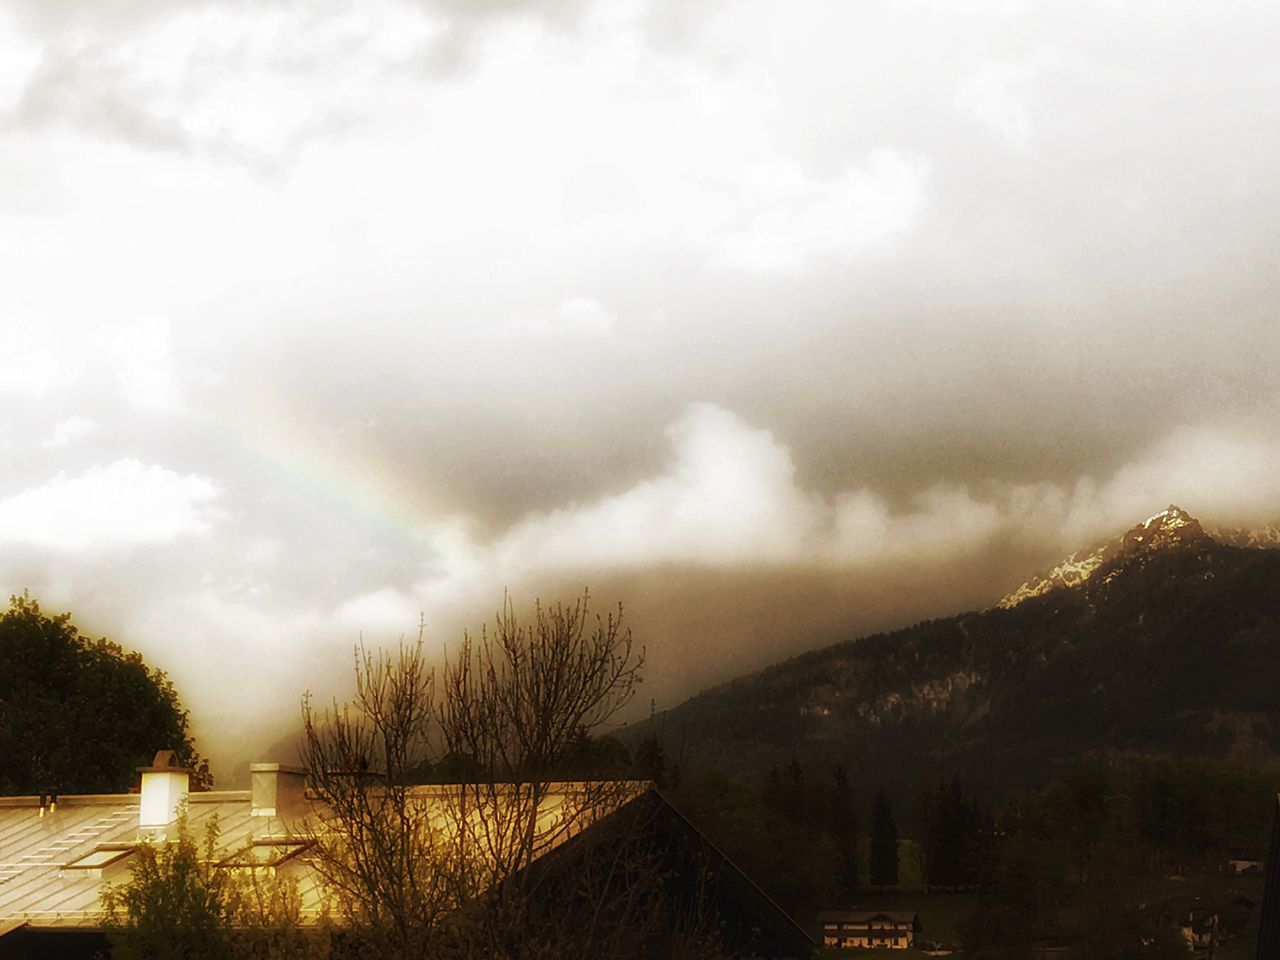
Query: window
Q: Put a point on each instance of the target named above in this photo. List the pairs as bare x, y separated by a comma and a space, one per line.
101, 857
266, 853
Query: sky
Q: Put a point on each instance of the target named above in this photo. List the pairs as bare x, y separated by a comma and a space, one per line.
776, 323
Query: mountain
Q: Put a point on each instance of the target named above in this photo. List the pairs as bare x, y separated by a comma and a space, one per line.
1163, 641
1171, 527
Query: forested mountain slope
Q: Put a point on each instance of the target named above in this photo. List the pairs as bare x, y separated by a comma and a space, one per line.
1167, 642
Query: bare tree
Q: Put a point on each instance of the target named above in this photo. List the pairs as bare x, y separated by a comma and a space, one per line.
501, 864
379, 854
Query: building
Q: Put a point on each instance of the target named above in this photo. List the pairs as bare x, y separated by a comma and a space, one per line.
846, 929
1201, 928
57, 854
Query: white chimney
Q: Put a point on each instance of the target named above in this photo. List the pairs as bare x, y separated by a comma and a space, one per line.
164, 790
278, 790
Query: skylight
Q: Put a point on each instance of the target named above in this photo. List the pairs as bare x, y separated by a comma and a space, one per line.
266, 853
100, 857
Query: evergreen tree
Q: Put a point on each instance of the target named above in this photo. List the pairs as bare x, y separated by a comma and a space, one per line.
771, 793
884, 843
651, 760
842, 821
793, 793
953, 838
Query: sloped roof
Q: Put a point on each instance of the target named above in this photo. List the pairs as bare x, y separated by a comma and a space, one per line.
35, 850
38, 889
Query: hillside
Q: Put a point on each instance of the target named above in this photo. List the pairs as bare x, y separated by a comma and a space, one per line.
1164, 641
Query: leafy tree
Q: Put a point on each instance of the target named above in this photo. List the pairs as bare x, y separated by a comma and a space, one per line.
177, 903
79, 715
884, 843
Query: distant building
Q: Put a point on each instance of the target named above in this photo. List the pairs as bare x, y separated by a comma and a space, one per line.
1244, 863
892, 929
58, 854
1201, 928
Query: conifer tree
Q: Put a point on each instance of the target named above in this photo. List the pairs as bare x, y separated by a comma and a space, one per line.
842, 819
884, 843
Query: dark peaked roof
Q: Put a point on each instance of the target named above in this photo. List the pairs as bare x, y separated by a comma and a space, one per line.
751, 922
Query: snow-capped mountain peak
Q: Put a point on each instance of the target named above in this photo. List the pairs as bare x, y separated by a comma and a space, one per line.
1172, 526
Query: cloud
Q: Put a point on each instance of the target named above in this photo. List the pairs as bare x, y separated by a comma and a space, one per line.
1221, 474
68, 431
36, 361
140, 357
574, 317
999, 95
729, 496
785, 219
382, 610
123, 503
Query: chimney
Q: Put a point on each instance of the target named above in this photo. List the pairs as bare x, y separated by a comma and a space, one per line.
164, 790
278, 790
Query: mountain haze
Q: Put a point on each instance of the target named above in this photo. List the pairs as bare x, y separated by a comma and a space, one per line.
1163, 641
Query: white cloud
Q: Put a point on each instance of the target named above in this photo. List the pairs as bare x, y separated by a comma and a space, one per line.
35, 361
784, 219
123, 503
574, 317
382, 610
728, 496
999, 95
68, 431
1220, 474
945, 521
140, 357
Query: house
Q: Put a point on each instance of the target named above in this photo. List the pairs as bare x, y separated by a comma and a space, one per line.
1200, 928
1244, 863
57, 854
893, 929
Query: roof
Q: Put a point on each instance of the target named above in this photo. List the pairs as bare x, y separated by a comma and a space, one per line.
37, 845
750, 922
41, 886
47, 884
859, 916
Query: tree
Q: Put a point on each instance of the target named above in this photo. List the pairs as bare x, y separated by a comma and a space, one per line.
468, 871
178, 902
174, 904
952, 838
884, 843
79, 715
843, 821
651, 759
